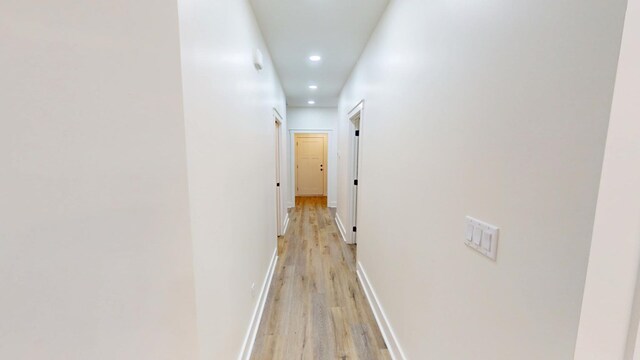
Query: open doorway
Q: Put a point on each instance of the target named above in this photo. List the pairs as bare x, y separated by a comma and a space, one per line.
355, 124
311, 153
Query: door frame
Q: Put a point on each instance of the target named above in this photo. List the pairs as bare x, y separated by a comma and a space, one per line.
354, 167
292, 162
282, 217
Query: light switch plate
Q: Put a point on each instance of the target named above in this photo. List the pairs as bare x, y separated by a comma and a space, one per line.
482, 237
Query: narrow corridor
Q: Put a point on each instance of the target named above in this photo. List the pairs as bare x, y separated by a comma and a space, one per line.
483, 155
316, 308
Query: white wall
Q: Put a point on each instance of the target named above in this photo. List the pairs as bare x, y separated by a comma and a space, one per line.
230, 144
95, 255
309, 119
497, 110
608, 305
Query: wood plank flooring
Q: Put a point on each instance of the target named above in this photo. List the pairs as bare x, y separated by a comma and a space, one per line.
316, 309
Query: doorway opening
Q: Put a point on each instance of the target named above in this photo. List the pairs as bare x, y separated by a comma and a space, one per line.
355, 124
311, 153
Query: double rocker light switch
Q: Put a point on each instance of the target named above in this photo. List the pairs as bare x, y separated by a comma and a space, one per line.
482, 237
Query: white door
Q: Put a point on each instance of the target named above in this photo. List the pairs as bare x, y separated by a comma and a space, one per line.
278, 196
310, 164
355, 160
355, 124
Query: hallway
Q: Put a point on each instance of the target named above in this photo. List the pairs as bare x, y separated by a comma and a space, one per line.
316, 308
186, 180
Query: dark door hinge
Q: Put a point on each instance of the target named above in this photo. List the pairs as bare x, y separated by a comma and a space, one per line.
278, 184
355, 182
354, 229
357, 132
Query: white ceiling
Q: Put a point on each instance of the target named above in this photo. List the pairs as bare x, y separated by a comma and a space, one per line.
337, 30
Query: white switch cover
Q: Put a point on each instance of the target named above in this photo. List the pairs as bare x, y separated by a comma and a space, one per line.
481, 237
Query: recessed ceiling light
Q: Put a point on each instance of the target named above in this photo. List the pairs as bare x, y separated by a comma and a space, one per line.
313, 87
315, 57
311, 102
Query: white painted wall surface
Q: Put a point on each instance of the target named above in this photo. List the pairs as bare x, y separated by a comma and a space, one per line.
309, 119
497, 110
230, 143
615, 249
95, 255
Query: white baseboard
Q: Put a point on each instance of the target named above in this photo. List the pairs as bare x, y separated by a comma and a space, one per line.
343, 233
332, 204
383, 323
286, 224
250, 338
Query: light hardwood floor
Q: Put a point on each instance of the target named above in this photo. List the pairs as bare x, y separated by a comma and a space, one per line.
316, 309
